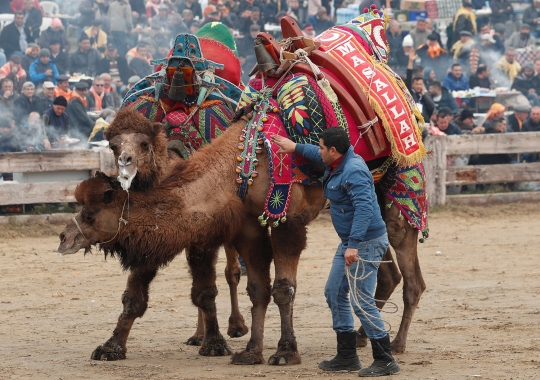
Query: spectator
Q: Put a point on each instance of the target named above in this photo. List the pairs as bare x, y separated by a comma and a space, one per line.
55, 32
187, 17
481, 78
115, 65
321, 21
461, 50
537, 65
531, 16
77, 108
25, 103
516, 120
455, 80
533, 123
497, 126
32, 135
528, 83
7, 96
442, 97
245, 44
43, 69
60, 58
212, 16
85, 59
445, 125
98, 38
484, 52
509, 66
18, 6
309, 32
163, 49
465, 120
45, 98
91, 10
131, 82
416, 87
140, 51
152, 8
253, 18
97, 98
500, 11
138, 11
62, 87
420, 33
433, 55
113, 91
163, 18
15, 36
33, 18
120, 24
496, 112
521, 39
55, 120
465, 20
140, 66
13, 71
395, 41
499, 44
32, 53
177, 25
9, 141
193, 6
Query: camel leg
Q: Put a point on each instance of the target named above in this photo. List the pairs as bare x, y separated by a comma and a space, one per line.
135, 300
202, 263
404, 240
253, 244
197, 338
237, 326
388, 277
288, 241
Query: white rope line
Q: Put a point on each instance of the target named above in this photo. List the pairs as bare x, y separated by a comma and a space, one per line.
356, 296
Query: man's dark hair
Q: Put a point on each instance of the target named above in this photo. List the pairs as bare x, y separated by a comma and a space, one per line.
442, 114
83, 37
417, 79
455, 65
417, 70
336, 137
19, 13
436, 84
481, 69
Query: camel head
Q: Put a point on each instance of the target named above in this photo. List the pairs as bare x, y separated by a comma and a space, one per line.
98, 221
140, 149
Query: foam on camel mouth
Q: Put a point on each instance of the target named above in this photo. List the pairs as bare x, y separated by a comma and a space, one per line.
125, 177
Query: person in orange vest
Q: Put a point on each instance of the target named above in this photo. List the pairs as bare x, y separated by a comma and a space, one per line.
62, 87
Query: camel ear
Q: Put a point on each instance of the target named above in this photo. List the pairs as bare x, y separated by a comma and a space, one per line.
108, 196
157, 128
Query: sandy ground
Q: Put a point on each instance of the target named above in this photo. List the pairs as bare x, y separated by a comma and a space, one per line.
479, 318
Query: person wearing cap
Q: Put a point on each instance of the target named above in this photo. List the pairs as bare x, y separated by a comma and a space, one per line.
461, 50
465, 120
14, 71
43, 69
55, 32
509, 67
59, 57
25, 103
77, 108
528, 83
163, 17
45, 98
98, 38
433, 55
120, 24
521, 39
321, 21
62, 87
531, 16
33, 18
15, 36
55, 120
115, 65
85, 59
420, 33
455, 80
515, 121
465, 20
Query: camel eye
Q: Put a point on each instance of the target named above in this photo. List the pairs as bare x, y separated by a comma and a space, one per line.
144, 145
113, 147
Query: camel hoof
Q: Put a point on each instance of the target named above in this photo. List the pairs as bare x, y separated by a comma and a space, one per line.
285, 358
194, 341
215, 347
237, 331
109, 351
247, 358
397, 347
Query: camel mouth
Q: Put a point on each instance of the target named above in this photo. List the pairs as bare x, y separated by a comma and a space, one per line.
70, 245
126, 174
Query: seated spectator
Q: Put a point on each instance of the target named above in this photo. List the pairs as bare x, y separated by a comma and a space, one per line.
43, 69
528, 83
7, 96
98, 38
163, 18
9, 140
32, 135
465, 120
25, 103
516, 120
508, 66
465, 20
163, 49
177, 26
521, 39
252, 17
140, 62
13, 71
461, 50
496, 112
15, 36
455, 80
114, 65
113, 91
194, 27
187, 17
444, 124
497, 41
140, 51
97, 98
481, 78
442, 97
501, 9
309, 32
533, 123
131, 82
55, 120
62, 87
497, 126
245, 44
193, 6
45, 98
531, 16
79, 120
420, 33
32, 52
321, 21
433, 55
537, 66
33, 18
60, 58
417, 88
55, 32
152, 8
85, 59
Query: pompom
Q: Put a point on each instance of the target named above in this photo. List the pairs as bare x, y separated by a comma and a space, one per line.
366, 10
373, 6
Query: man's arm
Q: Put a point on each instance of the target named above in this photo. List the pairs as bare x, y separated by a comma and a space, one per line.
358, 186
311, 152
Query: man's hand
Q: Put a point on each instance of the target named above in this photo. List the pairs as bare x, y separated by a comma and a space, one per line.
285, 145
532, 90
478, 130
7, 94
46, 144
14, 70
49, 72
412, 55
351, 255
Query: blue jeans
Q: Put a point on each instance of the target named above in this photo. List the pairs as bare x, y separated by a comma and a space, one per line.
337, 289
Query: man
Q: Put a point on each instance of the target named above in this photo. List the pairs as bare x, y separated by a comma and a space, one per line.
59, 57
420, 33
528, 83
455, 80
45, 98
509, 66
531, 16
442, 97
193, 6
252, 17
394, 36
25, 103
465, 20
55, 32
32, 52
163, 18
62, 87
98, 38
142, 51
97, 99
356, 216
7, 96
112, 91
516, 120
55, 120
246, 53
433, 55
140, 61
497, 41
77, 107
500, 11
461, 50
32, 135
43, 69
85, 59
445, 125
521, 39
465, 120
321, 21
177, 26
115, 65
120, 24
14, 71
481, 78
131, 82
537, 65
32, 19
533, 123
417, 88
15, 36
187, 17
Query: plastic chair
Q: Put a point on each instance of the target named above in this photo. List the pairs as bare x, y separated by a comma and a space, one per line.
50, 8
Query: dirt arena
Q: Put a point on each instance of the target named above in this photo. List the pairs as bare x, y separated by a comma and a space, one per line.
479, 318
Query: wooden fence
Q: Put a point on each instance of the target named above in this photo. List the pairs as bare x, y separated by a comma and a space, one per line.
439, 175
51, 161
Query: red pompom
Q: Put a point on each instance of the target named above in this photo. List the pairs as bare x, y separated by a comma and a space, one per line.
366, 10
373, 6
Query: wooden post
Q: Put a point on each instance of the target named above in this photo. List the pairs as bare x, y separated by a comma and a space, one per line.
107, 165
435, 166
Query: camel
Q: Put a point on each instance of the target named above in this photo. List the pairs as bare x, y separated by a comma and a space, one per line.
200, 196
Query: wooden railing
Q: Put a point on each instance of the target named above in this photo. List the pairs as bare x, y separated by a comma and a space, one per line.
438, 175
50, 161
